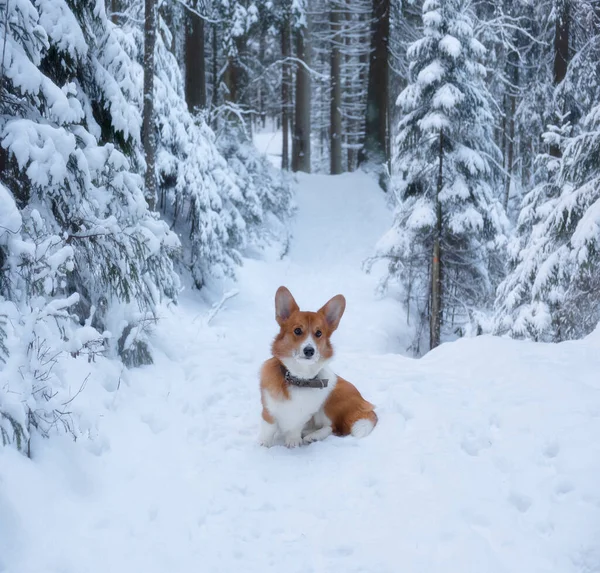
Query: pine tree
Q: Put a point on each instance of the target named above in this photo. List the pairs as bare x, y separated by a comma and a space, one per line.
83, 255
214, 189
547, 294
355, 69
449, 222
301, 138
552, 293
195, 60
286, 83
148, 133
335, 122
376, 147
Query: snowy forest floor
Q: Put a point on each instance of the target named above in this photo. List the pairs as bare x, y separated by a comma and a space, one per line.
486, 457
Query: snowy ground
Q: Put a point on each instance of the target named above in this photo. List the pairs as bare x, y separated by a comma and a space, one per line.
486, 458
270, 143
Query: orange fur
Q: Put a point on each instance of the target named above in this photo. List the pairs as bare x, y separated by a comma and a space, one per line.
273, 380
290, 318
344, 406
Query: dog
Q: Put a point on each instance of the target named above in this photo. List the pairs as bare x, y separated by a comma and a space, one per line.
301, 396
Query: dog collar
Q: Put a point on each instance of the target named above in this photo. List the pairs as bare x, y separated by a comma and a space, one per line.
315, 382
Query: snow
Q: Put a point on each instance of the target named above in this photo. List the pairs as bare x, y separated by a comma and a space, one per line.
469, 219
486, 456
422, 215
433, 121
471, 159
451, 46
62, 27
269, 142
446, 97
45, 149
431, 73
431, 16
10, 218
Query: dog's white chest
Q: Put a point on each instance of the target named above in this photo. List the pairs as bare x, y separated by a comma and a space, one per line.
302, 404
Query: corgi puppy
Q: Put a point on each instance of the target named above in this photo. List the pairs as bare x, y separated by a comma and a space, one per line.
301, 396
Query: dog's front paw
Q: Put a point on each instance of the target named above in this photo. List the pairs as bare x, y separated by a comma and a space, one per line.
267, 435
317, 435
293, 441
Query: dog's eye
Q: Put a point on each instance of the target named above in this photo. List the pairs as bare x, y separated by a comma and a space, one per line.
297, 331
318, 334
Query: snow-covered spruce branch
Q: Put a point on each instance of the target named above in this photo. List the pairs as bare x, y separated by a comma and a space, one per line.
186, 6
35, 395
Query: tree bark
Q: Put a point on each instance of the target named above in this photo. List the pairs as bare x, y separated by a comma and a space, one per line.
513, 62
195, 72
435, 320
262, 46
376, 148
115, 9
302, 127
436, 296
148, 132
504, 140
351, 129
230, 79
215, 66
511, 148
561, 41
234, 77
335, 125
354, 158
285, 95
561, 51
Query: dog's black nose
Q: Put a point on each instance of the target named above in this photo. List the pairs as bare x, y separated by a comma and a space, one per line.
309, 351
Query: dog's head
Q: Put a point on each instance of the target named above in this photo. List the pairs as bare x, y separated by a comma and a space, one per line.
303, 343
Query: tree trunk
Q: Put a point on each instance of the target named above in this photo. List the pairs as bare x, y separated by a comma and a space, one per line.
436, 297
504, 140
234, 76
511, 148
195, 78
215, 66
364, 78
435, 320
561, 51
148, 132
115, 9
230, 80
261, 91
350, 135
285, 95
302, 127
512, 98
376, 148
335, 125
561, 41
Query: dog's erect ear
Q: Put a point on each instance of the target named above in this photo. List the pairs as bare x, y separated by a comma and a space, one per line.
285, 305
333, 310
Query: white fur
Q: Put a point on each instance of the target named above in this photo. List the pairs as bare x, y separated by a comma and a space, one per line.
317, 435
293, 439
267, 433
362, 428
302, 367
291, 416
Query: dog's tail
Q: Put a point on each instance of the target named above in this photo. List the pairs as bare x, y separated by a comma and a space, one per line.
365, 424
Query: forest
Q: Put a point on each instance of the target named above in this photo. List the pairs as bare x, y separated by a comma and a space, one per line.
166, 166
128, 170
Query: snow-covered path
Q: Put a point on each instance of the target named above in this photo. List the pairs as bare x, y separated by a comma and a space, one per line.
486, 458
